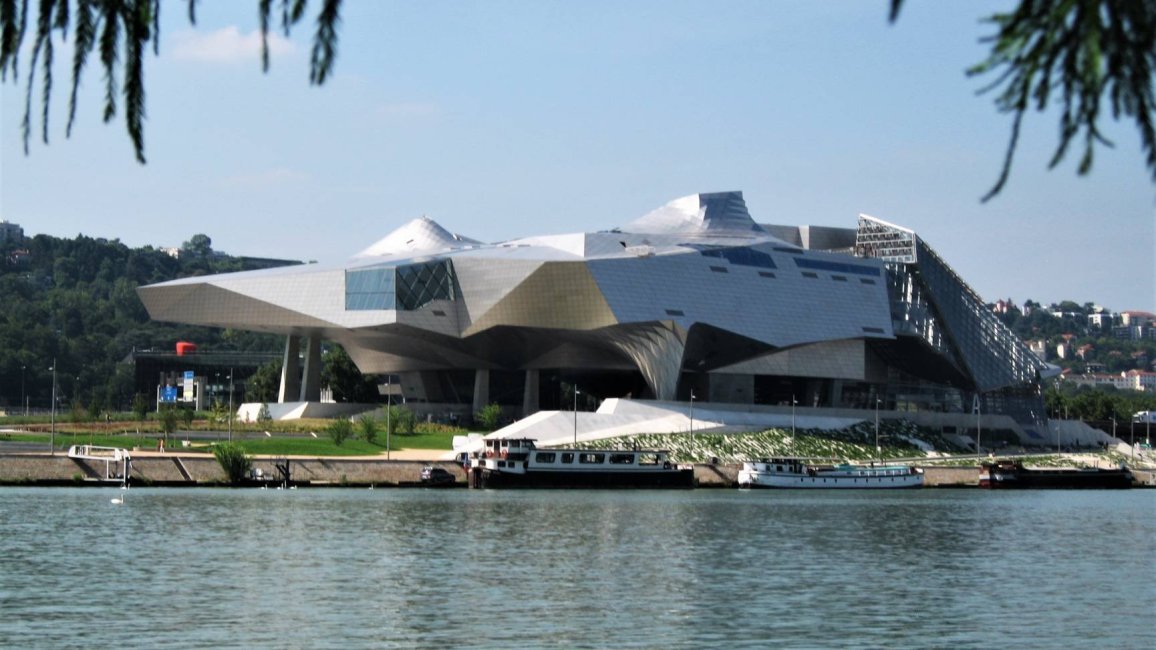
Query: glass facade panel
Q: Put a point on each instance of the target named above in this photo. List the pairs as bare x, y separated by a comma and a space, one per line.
408, 287
367, 289
419, 284
838, 267
741, 256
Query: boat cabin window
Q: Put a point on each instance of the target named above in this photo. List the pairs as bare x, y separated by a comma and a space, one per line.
622, 459
648, 459
545, 457
592, 459
568, 457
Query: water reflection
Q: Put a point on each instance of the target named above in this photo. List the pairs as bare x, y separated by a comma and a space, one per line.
416, 568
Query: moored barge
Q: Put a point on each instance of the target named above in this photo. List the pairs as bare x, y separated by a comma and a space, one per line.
804, 474
1011, 474
519, 463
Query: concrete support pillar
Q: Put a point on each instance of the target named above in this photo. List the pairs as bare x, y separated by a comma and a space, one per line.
481, 389
530, 394
836, 400
311, 382
290, 371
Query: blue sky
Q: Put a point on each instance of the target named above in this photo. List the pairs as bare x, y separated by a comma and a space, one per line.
503, 119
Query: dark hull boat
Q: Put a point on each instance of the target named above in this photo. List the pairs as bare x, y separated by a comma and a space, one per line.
1013, 475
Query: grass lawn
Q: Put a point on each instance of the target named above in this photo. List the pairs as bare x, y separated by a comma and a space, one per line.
296, 445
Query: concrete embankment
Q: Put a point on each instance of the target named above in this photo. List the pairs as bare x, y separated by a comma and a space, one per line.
174, 469
202, 469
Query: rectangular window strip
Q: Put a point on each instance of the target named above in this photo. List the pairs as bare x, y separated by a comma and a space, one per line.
837, 267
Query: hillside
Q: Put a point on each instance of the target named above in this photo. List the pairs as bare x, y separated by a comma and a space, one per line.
74, 300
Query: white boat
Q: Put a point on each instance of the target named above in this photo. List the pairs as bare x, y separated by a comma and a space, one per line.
801, 473
518, 462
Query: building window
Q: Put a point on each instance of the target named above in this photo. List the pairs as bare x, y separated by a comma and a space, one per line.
838, 267
674, 312
808, 274
367, 289
419, 284
719, 269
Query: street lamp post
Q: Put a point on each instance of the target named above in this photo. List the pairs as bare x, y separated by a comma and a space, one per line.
23, 400
1133, 429
793, 403
231, 415
692, 415
575, 415
388, 415
52, 417
978, 430
878, 449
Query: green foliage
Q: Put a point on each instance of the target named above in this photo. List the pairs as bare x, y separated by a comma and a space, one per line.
187, 415
264, 384
140, 407
220, 412
489, 417
168, 418
340, 430
78, 412
263, 414
121, 31
1090, 54
367, 425
1093, 54
341, 375
199, 245
233, 460
75, 300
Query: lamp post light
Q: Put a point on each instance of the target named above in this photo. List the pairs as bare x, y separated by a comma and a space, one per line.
575, 415
52, 416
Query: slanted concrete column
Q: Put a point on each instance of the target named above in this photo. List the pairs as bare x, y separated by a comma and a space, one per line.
530, 394
481, 389
290, 371
311, 383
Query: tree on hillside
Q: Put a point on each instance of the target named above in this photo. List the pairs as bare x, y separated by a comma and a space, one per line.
1083, 56
345, 379
199, 245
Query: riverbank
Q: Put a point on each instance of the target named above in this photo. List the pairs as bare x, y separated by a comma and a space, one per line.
402, 469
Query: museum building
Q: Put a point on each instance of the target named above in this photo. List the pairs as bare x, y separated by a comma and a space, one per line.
694, 298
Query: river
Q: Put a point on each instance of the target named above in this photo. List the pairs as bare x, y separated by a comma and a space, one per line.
345, 568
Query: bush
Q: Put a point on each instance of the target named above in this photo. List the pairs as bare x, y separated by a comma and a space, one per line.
168, 420
368, 426
233, 460
340, 430
488, 417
